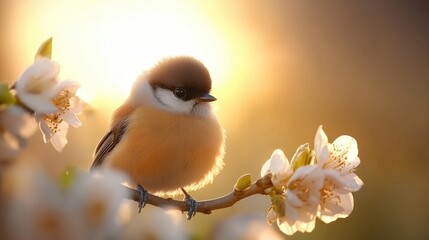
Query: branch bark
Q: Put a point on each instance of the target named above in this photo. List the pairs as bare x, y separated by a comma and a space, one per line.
208, 206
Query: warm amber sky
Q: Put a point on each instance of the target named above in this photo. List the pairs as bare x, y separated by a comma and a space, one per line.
280, 69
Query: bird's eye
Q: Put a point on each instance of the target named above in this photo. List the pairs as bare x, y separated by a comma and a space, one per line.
180, 93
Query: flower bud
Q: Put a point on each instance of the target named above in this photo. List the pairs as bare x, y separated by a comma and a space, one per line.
303, 156
6, 96
67, 177
243, 183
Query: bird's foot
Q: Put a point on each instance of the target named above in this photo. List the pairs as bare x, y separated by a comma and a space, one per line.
143, 197
191, 204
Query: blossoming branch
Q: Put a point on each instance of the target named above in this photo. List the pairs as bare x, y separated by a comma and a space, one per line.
53, 104
316, 183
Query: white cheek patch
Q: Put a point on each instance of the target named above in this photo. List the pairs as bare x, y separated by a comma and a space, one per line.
172, 103
143, 93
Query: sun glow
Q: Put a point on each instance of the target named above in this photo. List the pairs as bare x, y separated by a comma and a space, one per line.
105, 45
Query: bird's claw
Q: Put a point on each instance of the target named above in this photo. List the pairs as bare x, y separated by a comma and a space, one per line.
191, 204
143, 197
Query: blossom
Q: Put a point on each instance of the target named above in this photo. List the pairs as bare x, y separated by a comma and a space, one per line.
336, 199
341, 155
54, 126
295, 200
302, 199
246, 226
278, 165
96, 200
37, 207
35, 87
40, 207
54, 102
157, 223
340, 160
16, 126
317, 183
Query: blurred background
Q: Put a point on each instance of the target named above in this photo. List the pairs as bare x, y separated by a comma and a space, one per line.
279, 69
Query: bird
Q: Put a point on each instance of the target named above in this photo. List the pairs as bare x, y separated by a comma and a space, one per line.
166, 136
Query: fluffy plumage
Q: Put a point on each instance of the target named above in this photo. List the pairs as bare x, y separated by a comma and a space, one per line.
161, 140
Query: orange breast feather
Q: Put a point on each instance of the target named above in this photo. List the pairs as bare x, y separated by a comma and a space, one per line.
163, 151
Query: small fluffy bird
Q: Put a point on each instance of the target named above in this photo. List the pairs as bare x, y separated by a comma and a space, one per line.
166, 136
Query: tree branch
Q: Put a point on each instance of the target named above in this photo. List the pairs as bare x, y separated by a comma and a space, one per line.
208, 206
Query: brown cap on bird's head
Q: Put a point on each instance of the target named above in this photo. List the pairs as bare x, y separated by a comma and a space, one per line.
181, 72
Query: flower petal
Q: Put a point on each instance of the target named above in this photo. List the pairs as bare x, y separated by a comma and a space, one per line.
306, 226
41, 74
265, 168
9, 145
279, 162
97, 198
321, 146
271, 216
77, 104
72, 119
302, 198
38, 103
59, 139
332, 211
344, 155
348, 145
336, 198
44, 128
286, 227
58, 142
308, 172
66, 85
354, 183
347, 203
293, 200
37, 209
69, 85
17, 121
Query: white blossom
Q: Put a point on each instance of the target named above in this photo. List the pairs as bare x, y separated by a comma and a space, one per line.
302, 199
341, 155
16, 126
246, 226
336, 199
96, 200
35, 87
54, 126
40, 207
340, 160
54, 102
157, 223
318, 183
278, 165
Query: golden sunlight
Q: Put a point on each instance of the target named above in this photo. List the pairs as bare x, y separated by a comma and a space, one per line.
106, 44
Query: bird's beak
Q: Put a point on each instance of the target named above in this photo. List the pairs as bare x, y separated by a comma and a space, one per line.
206, 98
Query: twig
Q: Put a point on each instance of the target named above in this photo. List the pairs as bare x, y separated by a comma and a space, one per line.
208, 206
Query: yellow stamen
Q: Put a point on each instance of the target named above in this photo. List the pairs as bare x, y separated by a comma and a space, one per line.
62, 102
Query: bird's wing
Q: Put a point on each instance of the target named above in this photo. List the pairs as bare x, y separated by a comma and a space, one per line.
108, 143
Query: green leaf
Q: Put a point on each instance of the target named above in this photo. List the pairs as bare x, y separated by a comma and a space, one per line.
45, 50
6, 97
243, 183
